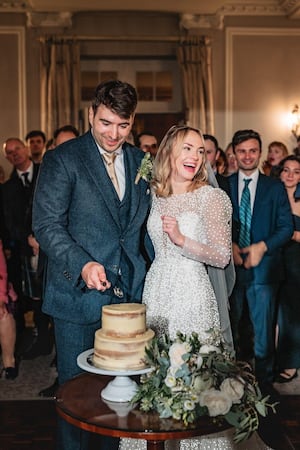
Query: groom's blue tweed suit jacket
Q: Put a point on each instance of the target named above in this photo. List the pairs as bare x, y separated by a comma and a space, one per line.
77, 218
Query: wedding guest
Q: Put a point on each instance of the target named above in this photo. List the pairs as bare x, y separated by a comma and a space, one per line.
262, 224
64, 134
36, 141
231, 160
222, 163
147, 142
276, 152
17, 193
288, 349
212, 154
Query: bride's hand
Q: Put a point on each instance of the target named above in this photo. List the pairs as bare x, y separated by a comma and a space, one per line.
170, 226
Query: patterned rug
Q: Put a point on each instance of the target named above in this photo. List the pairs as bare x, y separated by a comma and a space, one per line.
34, 375
291, 388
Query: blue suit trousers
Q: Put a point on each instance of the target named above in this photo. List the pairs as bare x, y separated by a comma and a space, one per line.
261, 300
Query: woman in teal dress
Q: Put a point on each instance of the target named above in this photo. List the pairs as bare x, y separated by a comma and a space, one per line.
288, 349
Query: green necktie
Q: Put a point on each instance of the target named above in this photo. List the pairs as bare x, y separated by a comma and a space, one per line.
245, 216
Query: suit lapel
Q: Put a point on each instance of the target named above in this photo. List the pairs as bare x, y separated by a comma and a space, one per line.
93, 163
259, 195
131, 165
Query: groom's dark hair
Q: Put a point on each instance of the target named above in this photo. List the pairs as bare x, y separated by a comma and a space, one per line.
118, 96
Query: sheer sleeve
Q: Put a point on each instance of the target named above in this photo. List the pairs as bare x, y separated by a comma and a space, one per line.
215, 249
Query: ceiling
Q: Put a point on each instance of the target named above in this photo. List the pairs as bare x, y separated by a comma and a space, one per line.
290, 8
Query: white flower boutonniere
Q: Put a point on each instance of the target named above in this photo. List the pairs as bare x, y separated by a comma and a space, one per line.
145, 169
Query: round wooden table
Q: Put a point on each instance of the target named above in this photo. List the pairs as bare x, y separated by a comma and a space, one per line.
79, 402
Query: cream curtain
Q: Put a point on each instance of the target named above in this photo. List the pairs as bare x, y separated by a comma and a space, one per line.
194, 57
60, 84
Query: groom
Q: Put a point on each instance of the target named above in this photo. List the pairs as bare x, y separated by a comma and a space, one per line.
88, 217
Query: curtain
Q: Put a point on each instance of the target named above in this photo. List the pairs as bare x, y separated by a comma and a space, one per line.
194, 57
60, 84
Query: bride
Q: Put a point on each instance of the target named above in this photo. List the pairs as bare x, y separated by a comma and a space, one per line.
190, 227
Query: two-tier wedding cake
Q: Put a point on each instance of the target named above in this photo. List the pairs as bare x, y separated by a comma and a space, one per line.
120, 343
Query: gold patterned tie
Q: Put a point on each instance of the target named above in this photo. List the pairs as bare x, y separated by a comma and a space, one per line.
109, 158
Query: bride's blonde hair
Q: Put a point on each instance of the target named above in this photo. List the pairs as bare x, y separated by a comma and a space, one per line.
162, 168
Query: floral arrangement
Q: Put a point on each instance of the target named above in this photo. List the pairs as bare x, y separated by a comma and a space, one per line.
192, 379
145, 169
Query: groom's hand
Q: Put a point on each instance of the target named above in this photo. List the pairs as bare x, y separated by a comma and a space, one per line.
94, 276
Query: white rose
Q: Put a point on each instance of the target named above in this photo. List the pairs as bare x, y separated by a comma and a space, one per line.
233, 388
176, 352
217, 402
207, 348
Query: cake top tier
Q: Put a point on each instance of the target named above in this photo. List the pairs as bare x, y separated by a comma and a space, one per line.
123, 308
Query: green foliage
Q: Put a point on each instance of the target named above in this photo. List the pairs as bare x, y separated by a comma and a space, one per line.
190, 379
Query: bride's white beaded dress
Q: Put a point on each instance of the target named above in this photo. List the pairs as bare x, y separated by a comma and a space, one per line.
178, 292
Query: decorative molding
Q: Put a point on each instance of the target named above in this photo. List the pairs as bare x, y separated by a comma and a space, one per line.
14, 6
292, 8
192, 21
49, 20
249, 9
215, 21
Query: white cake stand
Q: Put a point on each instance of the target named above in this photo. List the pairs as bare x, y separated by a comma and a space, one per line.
121, 388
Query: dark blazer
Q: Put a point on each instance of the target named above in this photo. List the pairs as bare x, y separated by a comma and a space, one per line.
223, 183
76, 220
271, 223
17, 208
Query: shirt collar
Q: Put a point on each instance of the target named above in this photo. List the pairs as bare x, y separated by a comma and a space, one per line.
253, 176
29, 170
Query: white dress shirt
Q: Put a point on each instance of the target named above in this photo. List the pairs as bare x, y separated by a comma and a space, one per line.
119, 168
30, 173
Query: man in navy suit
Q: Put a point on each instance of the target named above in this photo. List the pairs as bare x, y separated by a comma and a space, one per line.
259, 267
91, 231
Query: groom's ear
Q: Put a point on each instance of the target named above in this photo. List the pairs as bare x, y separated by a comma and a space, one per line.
91, 116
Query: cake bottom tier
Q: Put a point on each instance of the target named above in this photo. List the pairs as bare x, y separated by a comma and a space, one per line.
120, 353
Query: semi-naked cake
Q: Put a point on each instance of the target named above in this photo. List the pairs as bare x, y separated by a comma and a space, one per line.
120, 343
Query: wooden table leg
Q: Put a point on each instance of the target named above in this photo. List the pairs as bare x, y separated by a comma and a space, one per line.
155, 445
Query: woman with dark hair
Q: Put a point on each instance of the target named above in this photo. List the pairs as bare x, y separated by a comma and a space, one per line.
288, 349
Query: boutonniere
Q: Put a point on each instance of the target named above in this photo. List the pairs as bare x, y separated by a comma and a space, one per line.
145, 169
